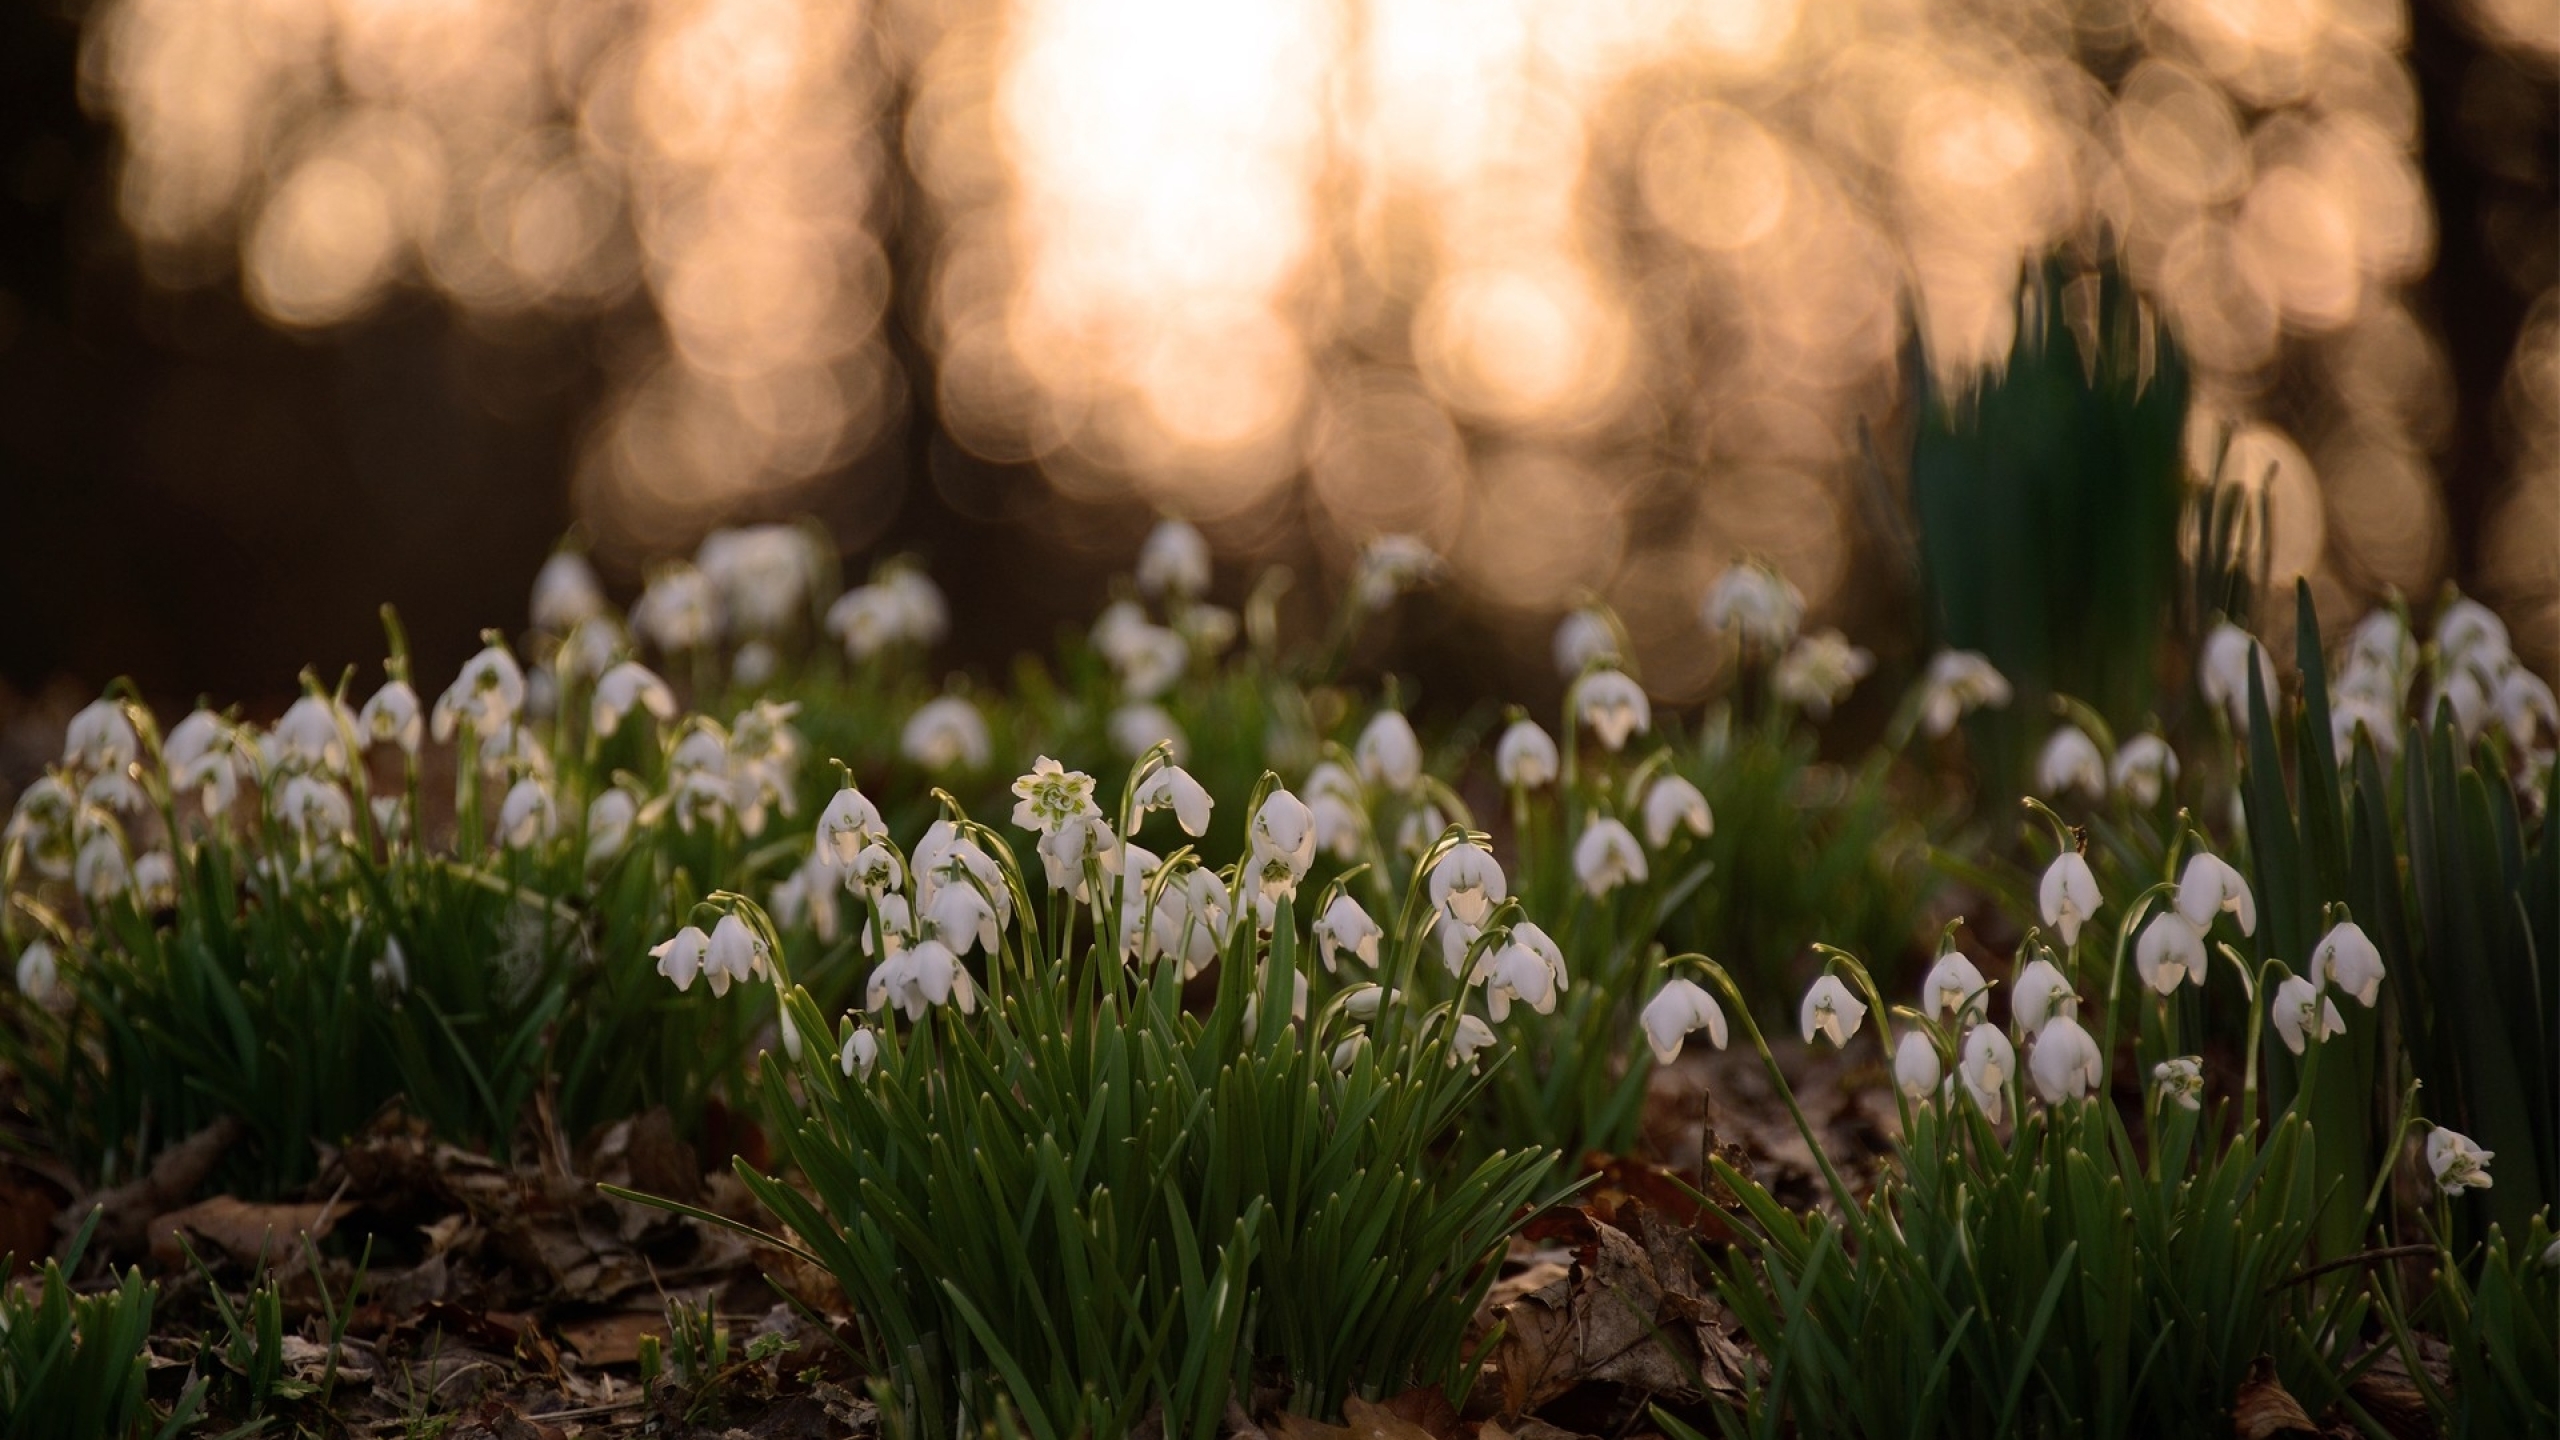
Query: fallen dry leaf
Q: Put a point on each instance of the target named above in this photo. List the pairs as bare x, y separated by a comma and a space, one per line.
2263, 1409
613, 1339
129, 1209
257, 1235
1628, 1313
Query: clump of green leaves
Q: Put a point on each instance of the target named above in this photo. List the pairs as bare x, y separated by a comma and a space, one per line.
71, 1365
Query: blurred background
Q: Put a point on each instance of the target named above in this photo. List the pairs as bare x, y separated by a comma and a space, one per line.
307, 305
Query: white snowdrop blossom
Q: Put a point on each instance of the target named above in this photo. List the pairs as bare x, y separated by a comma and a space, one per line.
101, 872
202, 757
763, 572
1955, 987
115, 790
488, 694
2180, 1081
2040, 996
100, 737
2145, 767
1050, 796
679, 611
869, 620
312, 734
38, 971
1466, 885
680, 956
924, 975
2470, 636
2382, 646
315, 810
962, 917
2170, 952
627, 687
528, 817
155, 879
1388, 753
1389, 566
2065, 1061
1606, 857
2525, 706
1174, 560
1066, 849
610, 818
2347, 958
2457, 1162
591, 648
1613, 705
390, 969
2068, 895
698, 785
808, 896
566, 593
1755, 603
876, 871
2301, 1013
848, 825
1677, 1010
1171, 787
1139, 728
1420, 828
764, 763
1147, 657
861, 1053
1525, 757
2222, 672
1472, 1038
946, 733
1344, 926
1819, 671
2210, 884
1283, 838
2070, 761
1672, 804
393, 717
1988, 1065
1512, 971
1830, 1009
1585, 638
736, 955
1916, 1068
2468, 694
1957, 683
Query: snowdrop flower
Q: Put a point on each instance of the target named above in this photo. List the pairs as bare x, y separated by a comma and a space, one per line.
944, 859
393, 717
1174, 560
1671, 803
100, 737
2470, 636
1955, 987
2068, 895
1830, 1009
1345, 926
808, 895
763, 573
488, 693
1676, 1010
961, 917
1511, 972
2180, 1081
2222, 673
2353, 712
1819, 671
1989, 1063
38, 972
390, 969
1148, 658
1585, 638
155, 879
1171, 787
1756, 603
1190, 921
946, 733
610, 818
2065, 1061
1391, 565
1050, 796
591, 648
627, 687
114, 790
1388, 753
527, 817
200, 756
1065, 850
875, 872
1466, 885
927, 975
1916, 1069
925, 617
1472, 1038
2382, 645
2346, 958
1525, 758
1139, 728
2208, 884
1283, 838
1613, 705
2467, 694
312, 734
861, 1053
1606, 857
565, 593
867, 620
2170, 952
1348, 1053
1957, 683
1339, 825
2041, 996
679, 611
2070, 761
2458, 1163
736, 955
849, 824
2302, 1013
2525, 706
315, 810
1362, 1002
680, 957
1420, 829
101, 871
2145, 766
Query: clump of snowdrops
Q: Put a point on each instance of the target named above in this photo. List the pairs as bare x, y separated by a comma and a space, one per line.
1052, 1189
